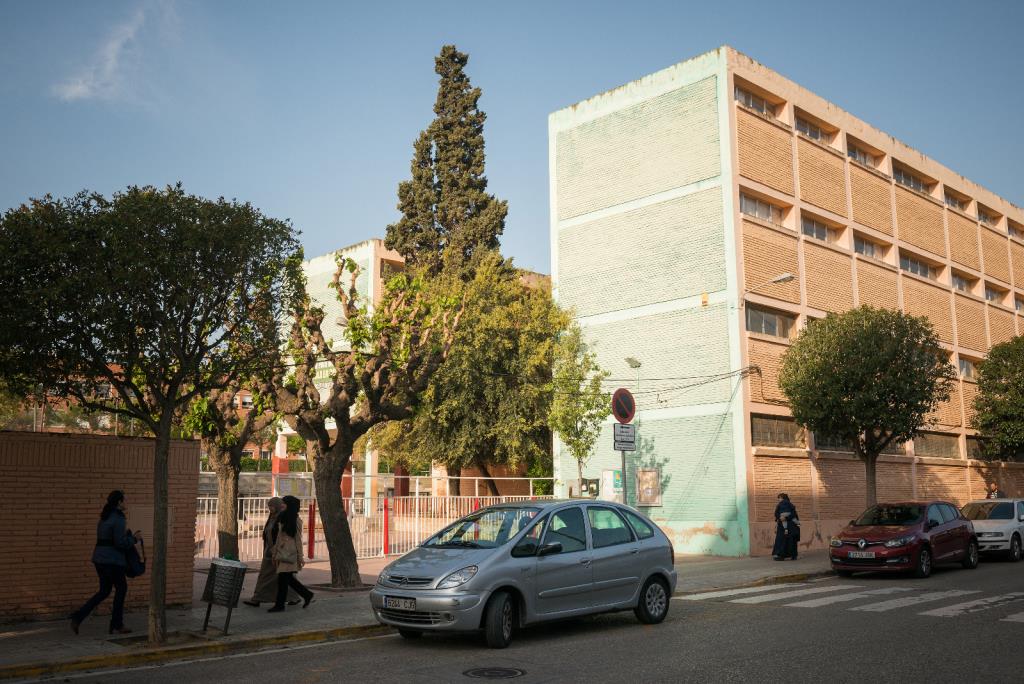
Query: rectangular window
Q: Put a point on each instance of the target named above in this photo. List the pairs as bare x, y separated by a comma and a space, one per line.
1018, 304
775, 431
1015, 231
967, 368
828, 443
247, 402
961, 283
917, 267
817, 230
904, 177
768, 322
955, 202
994, 295
858, 155
751, 206
936, 445
812, 131
986, 217
751, 101
866, 247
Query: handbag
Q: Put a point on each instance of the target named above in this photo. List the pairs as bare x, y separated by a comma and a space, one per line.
135, 565
286, 554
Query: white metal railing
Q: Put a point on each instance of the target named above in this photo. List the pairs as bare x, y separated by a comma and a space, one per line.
379, 526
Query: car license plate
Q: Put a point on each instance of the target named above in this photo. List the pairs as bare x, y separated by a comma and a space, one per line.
399, 603
861, 554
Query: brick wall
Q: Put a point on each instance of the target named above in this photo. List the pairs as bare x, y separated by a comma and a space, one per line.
963, 240
56, 485
822, 176
829, 283
993, 251
1017, 256
767, 252
765, 151
948, 415
872, 200
1000, 324
922, 299
920, 221
970, 323
767, 356
876, 285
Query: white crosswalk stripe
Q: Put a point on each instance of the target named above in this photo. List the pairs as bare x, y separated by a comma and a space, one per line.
914, 600
840, 598
794, 594
976, 605
1016, 617
736, 592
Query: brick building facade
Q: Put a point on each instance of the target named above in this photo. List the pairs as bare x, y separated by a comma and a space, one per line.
700, 217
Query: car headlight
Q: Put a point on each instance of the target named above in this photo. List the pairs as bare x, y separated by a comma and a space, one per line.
835, 541
457, 578
901, 541
383, 576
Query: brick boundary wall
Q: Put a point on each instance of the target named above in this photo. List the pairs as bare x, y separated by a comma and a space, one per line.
828, 488
54, 486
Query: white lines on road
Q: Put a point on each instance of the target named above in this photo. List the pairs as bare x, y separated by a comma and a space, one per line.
828, 600
1016, 617
794, 594
736, 592
914, 600
976, 605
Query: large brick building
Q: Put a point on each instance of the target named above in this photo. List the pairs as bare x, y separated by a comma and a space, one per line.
699, 217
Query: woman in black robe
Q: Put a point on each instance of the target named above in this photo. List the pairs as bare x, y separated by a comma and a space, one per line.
787, 529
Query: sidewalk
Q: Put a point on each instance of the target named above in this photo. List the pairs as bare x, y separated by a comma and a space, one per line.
333, 615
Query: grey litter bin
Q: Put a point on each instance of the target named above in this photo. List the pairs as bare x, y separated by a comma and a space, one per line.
223, 587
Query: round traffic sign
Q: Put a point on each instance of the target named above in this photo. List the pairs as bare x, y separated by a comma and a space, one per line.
623, 406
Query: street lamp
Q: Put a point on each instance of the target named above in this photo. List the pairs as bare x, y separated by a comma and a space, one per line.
777, 280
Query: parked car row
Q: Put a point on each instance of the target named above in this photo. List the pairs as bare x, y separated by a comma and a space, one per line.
914, 536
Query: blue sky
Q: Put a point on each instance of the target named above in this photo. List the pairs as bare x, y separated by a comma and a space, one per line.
309, 110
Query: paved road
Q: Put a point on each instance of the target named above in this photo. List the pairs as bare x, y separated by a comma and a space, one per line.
959, 625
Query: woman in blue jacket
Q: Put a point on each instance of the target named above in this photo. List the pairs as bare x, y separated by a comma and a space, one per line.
112, 540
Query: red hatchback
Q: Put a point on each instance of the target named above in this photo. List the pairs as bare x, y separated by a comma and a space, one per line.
909, 536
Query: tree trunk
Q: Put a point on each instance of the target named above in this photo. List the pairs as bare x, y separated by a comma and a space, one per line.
579, 478
454, 485
158, 569
227, 510
493, 488
870, 464
327, 479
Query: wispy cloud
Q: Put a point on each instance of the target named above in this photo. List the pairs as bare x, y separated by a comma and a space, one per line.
103, 77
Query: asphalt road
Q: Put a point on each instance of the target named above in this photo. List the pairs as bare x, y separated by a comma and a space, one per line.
958, 626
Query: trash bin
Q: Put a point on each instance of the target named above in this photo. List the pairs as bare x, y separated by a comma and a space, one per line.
223, 587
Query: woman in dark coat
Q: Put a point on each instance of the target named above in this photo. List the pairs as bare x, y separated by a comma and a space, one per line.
266, 584
287, 554
787, 529
112, 540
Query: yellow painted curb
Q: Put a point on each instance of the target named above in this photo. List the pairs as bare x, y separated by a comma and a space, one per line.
159, 655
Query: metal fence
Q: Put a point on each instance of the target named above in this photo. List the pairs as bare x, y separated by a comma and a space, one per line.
379, 526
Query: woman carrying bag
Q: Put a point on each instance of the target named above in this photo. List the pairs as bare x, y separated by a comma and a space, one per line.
266, 584
287, 554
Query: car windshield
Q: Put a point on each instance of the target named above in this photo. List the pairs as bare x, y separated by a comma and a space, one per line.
989, 510
890, 515
484, 529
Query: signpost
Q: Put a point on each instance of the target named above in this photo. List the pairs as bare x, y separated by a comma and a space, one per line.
624, 434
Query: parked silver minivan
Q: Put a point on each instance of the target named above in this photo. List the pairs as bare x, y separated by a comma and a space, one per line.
511, 565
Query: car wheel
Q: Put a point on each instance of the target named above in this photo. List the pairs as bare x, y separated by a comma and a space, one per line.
924, 563
499, 620
971, 559
1016, 552
653, 604
410, 633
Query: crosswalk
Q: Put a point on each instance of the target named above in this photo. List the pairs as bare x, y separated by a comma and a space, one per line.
856, 597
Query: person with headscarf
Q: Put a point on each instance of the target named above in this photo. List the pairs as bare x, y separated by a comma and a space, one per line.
287, 554
266, 583
787, 529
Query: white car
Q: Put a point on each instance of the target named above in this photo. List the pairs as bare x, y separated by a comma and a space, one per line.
999, 524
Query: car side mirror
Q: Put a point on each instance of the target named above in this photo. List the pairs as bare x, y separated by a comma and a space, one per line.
931, 524
524, 549
550, 548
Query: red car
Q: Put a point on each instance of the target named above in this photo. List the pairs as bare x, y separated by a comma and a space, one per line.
908, 536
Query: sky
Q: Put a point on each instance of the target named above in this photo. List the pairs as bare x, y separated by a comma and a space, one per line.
309, 110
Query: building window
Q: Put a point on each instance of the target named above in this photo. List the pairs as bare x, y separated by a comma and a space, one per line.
994, 295
768, 322
967, 369
1018, 304
986, 217
866, 247
751, 206
936, 445
247, 401
955, 202
859, 155
775, 431
961, 283
917, 267
910, 180
974, 448
1015, 231
812, 131
817, 230
828, 443
751, 101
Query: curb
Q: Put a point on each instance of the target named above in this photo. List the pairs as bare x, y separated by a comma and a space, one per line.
131, 658
765, 581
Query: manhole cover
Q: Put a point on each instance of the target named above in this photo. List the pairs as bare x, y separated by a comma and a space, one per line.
494, 672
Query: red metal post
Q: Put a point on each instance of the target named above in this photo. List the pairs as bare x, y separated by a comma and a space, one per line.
312, 529
476, 504
386, 525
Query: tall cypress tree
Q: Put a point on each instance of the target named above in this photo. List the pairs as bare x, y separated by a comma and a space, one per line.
448, 218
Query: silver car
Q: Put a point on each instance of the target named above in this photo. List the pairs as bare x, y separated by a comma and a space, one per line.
511, 565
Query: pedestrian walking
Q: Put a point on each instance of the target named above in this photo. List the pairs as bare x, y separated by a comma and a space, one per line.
787, 529
994, 492
287, 554
113, 540
266, 583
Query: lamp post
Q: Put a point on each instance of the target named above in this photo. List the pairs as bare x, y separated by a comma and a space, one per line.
777, 280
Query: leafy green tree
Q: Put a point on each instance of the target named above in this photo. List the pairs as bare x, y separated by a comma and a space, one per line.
488, 402
390, 358
579, 406
448, 219
138, 303
999, 404
868, 377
